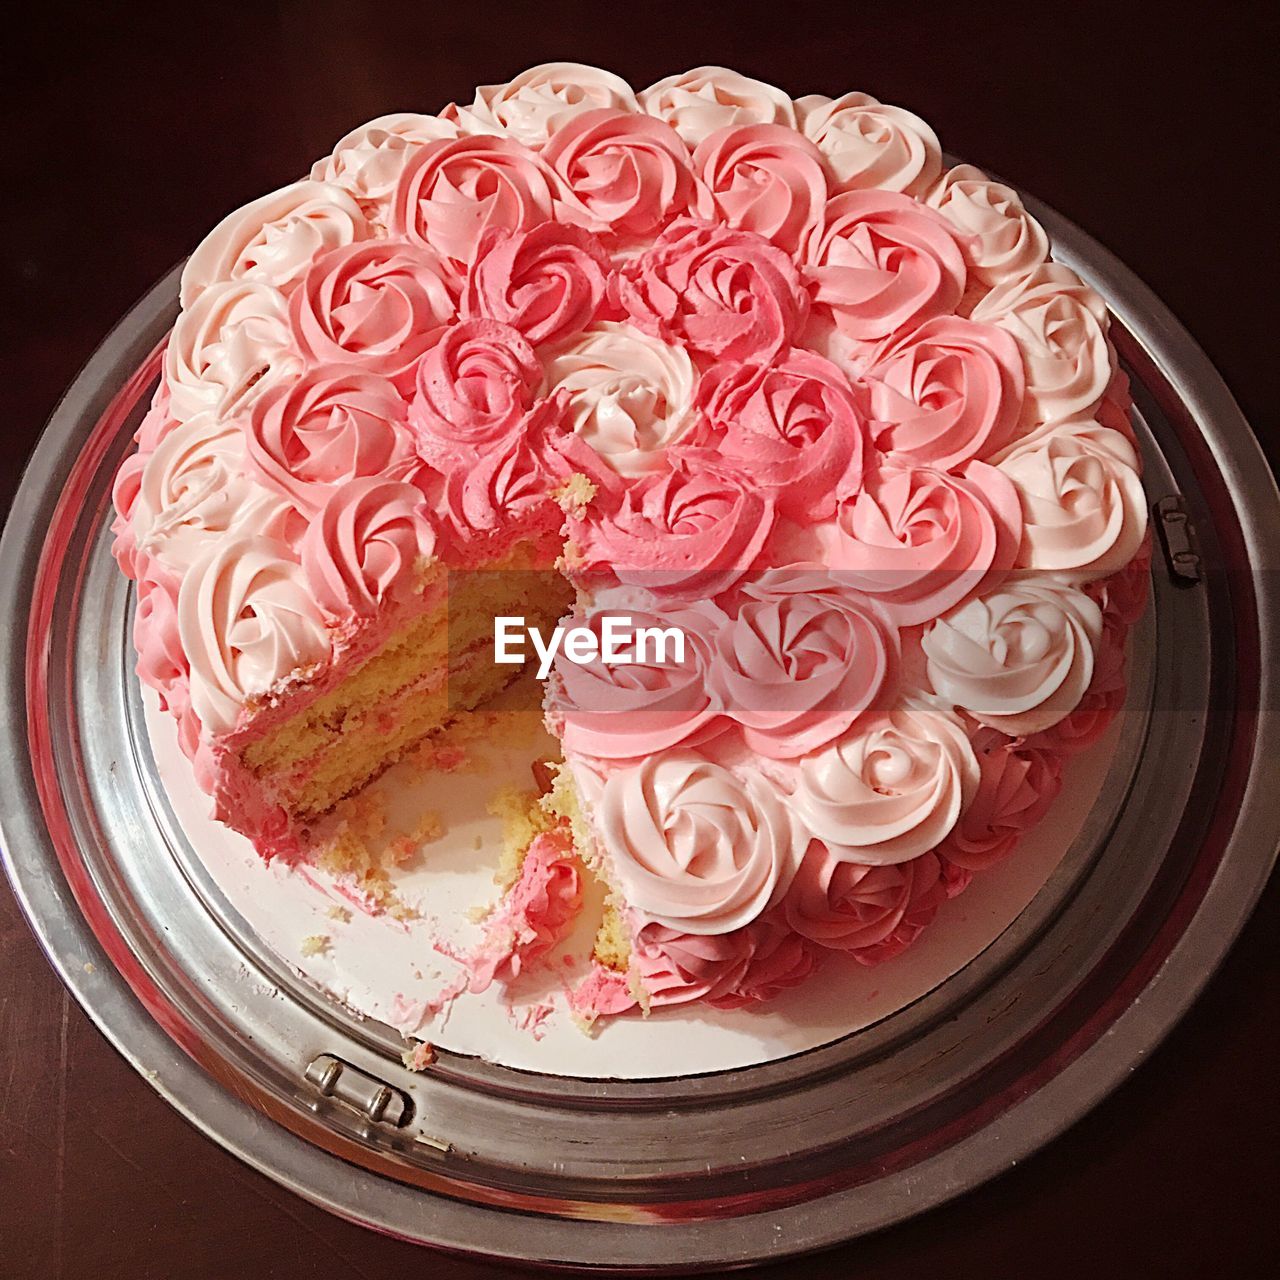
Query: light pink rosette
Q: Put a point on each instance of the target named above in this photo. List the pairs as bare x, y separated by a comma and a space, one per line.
764, 178
949, 391
1000, 239
1083, 507
228, 347
333, 425
540, 103
274, 239
700, 102
547, 282
726, 971
694, 846
191, 490
473, 387
247, 621
451, 193
367, 548
870, 144
629, 395
377, 305
884, 264
623, 175
726, 295
794, 426
1060, 325
796, 669
368, 162
1018, 658
630, 709
891, 788
157, 422
872, 913
680, 536
921, 541
1018, 783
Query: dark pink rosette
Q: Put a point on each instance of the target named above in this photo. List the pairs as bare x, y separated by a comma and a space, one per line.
680, 536
746, 966
764, 178
367, 548
624, 175
162, 663
490, 495
797, 667
629, 709
474, 387
883, 264
1094, 713
547, 282
1018, 782
922, 541
1123, 595
377, 305
871, 913
726, 295
949, 391
333, 424
793, 426
452, 193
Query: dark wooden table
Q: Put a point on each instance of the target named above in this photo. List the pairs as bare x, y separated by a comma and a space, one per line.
125, 136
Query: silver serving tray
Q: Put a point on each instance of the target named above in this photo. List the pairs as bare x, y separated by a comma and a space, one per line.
726, 1168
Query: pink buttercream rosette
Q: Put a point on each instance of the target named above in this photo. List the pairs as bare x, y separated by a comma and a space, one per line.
839, 420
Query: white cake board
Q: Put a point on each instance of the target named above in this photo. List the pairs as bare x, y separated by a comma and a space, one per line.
394, 971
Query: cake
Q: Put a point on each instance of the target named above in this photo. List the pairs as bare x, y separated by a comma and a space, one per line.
701, 362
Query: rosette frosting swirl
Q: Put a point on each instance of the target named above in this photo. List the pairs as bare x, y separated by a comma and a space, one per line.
377, 305
540, 103
700, 102
1000, 239
763, 178
368, 162
192, 490
1018, 783
368, 548
679, 536
870, 912
921, 541
332, 425
452, 192
1060, 325
891, 788
473, 387
883, 264
793, 425
546, 282
228, 347
951, 390
274, 239
694, 846
624, 175
1018, 659
726, 295
629, 395
1084, 511
247, 621
868, 144
653, 701
796, 669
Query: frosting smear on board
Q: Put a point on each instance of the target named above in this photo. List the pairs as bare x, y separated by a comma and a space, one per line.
703, 356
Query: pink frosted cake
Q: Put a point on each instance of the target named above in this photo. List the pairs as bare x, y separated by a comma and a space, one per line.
756, 372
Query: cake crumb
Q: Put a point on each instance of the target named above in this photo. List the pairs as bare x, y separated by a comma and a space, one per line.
90, 967
420, 1056
575, 494
341, 914
317, 944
